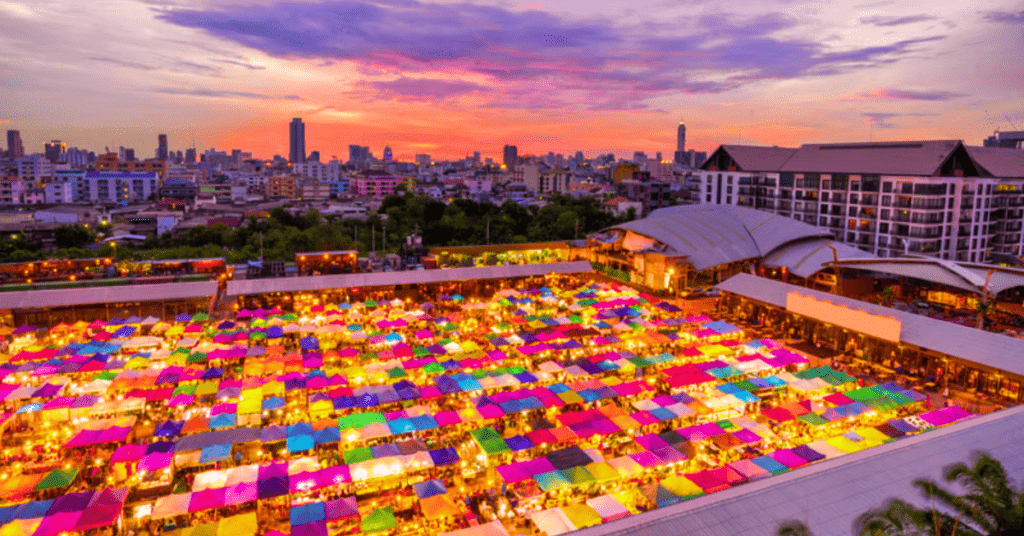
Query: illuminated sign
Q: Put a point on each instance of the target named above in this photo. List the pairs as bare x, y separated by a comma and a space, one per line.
882, 327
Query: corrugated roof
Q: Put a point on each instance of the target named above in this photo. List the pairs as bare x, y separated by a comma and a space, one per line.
759, 157
829, 495
807, 257
414, 277
1002, 278
924, 268
920, 158
120, 294
1003, 163
712, 235
981, 347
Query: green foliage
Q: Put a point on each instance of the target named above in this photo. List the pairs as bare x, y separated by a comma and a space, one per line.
463, 222
984, 503
72, 236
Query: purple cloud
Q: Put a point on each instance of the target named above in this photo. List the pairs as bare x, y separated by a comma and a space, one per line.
405, 88
533, 58
884, 119
907, 94
883, 20
1006, 17
221, 94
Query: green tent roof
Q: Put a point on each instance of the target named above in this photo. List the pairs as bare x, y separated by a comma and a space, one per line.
379, 520
58, 478
357, 455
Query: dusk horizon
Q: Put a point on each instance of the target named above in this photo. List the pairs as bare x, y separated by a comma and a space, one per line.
449, 79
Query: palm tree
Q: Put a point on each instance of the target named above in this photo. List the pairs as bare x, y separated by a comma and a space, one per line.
985, 308
991, 506
793, 528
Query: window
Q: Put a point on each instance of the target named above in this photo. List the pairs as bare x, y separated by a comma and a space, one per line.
883, 227
728, 199
728, 179
887, 187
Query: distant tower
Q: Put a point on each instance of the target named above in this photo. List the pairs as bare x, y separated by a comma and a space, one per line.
388, 156
15, 149
510, 156
54, 150
297, 141
161, 147
680, 143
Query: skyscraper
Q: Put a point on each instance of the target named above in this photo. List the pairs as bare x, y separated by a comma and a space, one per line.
510, 156
54, 150
190, 155
388, 155
161, 147
15, 149
297, 141
680, 156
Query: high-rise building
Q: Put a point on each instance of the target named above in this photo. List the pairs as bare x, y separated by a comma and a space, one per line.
388, 155
934, 197
129, 155
423, 160
54, 150
510, 156
297, 141
15, 149
358, 153
161, 147
680, 143
1006, 140
190, 155
314, 156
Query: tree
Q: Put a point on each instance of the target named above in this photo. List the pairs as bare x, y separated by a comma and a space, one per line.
991, 506
72, 236
985, 308
887, 296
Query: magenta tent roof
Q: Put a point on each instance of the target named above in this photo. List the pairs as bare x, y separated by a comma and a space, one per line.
155, 461
644, 418
240, 493
341, 508
708, 481
788, 458
206, 499
103, 509
747, 436
646, 459
945, 416
447, 418
513, 473
537, 466
128, 453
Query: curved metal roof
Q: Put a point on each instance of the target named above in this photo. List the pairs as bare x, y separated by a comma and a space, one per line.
807, 257
712, 235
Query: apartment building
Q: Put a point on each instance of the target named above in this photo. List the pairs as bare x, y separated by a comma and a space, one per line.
117, 186
938, 197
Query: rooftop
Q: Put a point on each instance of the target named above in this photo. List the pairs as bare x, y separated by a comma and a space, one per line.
712, 235
829, 495
998, 352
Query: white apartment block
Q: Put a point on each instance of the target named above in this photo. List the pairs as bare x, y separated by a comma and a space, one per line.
330, 171
117, 186
938, 198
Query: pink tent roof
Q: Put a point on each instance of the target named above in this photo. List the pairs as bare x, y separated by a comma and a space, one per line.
788, 458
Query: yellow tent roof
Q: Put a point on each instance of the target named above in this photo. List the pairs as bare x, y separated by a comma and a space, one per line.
681, 486
241, 525
439, 506
582, 515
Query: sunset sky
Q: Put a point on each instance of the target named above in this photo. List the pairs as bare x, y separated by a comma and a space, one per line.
448, 78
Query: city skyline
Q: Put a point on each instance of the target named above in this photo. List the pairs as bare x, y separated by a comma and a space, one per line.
561, 76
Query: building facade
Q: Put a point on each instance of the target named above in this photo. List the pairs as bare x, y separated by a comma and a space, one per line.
282, 187
297, 141
113, 162
374, 183
15, 148
119, 187
938, 198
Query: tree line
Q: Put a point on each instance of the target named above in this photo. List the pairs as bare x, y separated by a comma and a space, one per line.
282, 235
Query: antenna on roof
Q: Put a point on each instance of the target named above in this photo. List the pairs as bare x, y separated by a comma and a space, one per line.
1008, 120
995, 127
